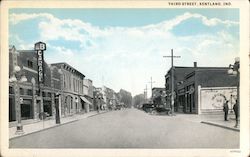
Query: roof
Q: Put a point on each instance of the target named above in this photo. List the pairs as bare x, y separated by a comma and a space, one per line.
69, 67
188, 70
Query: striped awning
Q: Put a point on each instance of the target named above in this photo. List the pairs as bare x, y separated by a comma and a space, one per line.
85, 100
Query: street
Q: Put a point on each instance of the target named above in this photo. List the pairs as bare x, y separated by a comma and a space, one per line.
131, 128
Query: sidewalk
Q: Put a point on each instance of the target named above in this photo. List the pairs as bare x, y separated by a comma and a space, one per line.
37, 126
212, 119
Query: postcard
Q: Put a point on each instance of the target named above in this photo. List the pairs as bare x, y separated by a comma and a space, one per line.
125, 78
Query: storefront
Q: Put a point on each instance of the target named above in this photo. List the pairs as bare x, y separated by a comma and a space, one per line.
213, 98
26, 109
201, 89
86, 104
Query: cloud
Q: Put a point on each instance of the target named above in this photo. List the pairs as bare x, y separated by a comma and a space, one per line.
126, 57
17, 18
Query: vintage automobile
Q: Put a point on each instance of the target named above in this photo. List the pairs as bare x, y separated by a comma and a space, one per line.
148, 107
160, 111
118, 107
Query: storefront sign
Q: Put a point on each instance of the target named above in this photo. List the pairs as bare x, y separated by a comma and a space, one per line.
214, 98
40, 47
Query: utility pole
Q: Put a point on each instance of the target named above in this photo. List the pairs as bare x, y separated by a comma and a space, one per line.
172, 79
145, 93
151, 82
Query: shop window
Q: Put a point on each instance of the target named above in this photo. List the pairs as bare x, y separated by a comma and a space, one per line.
26, 109
29, 92
30, 64
49, 94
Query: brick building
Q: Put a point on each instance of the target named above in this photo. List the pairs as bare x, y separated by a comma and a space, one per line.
29, 91
62, 90
71, 94
192, 85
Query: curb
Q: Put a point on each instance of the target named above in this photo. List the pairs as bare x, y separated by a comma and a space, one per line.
221, 126
54, 126
97, 114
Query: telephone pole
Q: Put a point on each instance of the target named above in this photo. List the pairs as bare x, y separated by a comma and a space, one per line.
172, 79
151, 82
145, 93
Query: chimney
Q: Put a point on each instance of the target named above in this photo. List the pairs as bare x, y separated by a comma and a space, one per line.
195, 64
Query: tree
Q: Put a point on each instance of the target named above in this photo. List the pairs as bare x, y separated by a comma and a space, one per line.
138, 100
126, 98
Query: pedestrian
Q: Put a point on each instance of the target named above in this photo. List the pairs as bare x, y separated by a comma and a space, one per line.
225, 109
236, 112
98, 108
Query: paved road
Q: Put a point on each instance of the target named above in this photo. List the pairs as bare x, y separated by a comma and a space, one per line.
131, 128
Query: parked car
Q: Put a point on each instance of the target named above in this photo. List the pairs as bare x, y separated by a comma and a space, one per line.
160, 111
118, 107
148, 107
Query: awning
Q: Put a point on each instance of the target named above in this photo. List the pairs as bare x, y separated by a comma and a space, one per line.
85, 100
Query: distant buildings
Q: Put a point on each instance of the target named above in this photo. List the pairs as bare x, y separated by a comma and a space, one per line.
200, 89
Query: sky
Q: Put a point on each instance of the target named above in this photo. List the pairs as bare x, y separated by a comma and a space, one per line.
124, 48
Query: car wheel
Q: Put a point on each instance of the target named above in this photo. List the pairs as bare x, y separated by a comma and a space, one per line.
168, 113
153, 112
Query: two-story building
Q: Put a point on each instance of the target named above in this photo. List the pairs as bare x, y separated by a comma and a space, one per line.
29, 94
72, 94
201, 89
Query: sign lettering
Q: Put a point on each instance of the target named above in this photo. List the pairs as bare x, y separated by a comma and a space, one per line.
39, 47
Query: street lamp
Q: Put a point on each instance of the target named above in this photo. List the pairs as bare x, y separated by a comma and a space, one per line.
14, 79
235, 70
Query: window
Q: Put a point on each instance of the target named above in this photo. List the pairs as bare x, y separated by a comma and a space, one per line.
21, 91
29, 92
74, 84
49, 94
44, 94
30, 64
69, 82
64, 81
11, 90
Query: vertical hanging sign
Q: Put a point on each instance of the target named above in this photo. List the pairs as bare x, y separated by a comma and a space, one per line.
40, 47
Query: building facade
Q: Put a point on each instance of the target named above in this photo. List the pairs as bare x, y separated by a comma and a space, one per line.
190, 84
31, 107
88, 95
72, 90
61, 94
